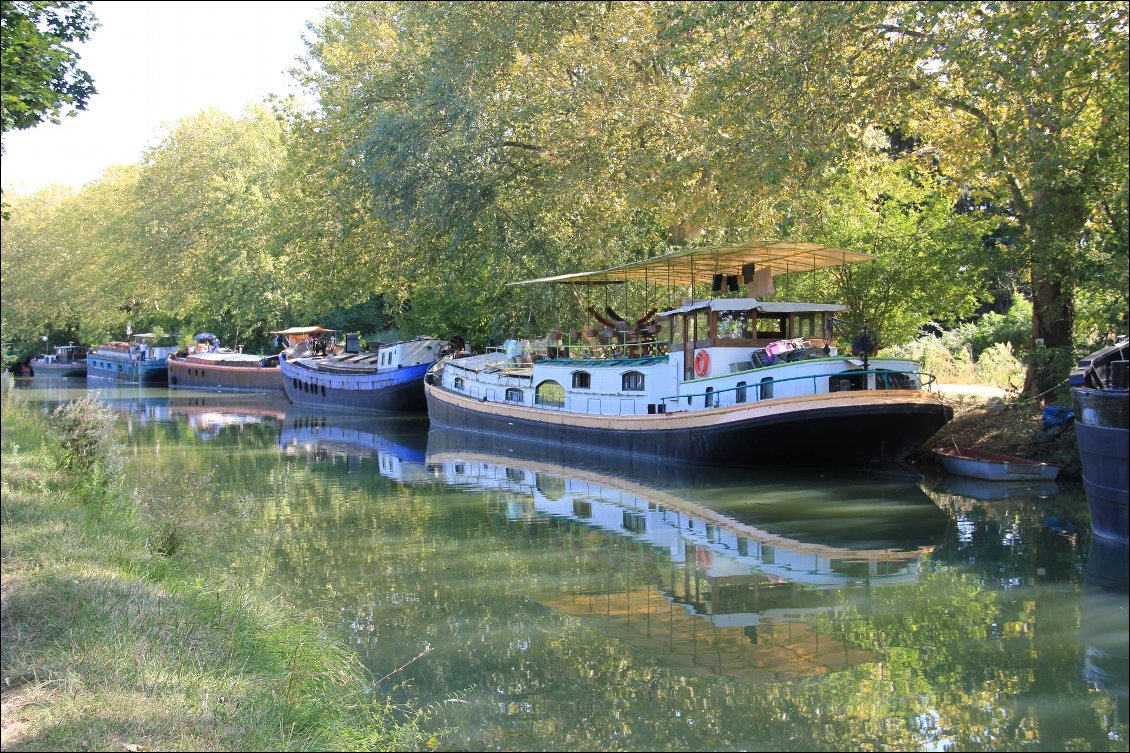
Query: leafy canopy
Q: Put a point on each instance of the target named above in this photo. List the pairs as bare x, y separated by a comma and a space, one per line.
41, 77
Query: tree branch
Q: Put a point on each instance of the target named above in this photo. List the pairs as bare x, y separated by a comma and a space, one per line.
995, 150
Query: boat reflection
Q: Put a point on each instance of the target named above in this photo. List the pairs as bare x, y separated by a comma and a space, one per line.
210, 414
748, 574
396, 442
140, 407
990, 490
722, 573
839, 513
1104, 628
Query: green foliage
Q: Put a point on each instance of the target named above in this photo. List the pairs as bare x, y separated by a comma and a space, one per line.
41, 78
999, 367
992, 329
457, 147
987, 351
929, 260
85, 442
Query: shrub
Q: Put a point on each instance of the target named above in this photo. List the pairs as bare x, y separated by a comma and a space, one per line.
8, 393
84, 442
999, 367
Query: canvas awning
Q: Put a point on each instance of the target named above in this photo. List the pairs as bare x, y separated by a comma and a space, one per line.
699, 265
302, 331
750, 304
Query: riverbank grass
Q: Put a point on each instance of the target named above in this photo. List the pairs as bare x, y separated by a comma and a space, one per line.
108, 644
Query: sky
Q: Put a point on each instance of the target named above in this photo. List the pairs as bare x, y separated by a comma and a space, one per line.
154, 63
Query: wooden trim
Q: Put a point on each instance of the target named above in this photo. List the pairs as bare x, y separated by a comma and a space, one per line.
689, 420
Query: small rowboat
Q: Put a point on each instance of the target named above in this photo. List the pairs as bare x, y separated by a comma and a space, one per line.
992, 466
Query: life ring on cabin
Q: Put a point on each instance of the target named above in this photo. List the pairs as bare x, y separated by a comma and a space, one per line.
701, 363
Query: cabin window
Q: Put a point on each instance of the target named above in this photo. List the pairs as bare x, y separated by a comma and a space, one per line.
458, 383
701, 326
771, 326
582, 380
734, 325
766, 388
893, 380
807, 325
676, 329
632, 381
514, 395
846, 381
740, 393
710, 400
550, 393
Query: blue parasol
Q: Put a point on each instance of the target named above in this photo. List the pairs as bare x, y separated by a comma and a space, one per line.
202, 337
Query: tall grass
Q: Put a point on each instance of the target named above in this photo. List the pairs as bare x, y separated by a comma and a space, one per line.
111, 642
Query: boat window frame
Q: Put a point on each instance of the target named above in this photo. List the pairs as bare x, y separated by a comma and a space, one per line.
510, 391
538, 394
782, 333
576, 378
624, 381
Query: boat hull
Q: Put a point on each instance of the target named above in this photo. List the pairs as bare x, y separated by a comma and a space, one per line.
852, 430
153, 371
994, 467
397, 391
1102, 430
189, 374
56, 371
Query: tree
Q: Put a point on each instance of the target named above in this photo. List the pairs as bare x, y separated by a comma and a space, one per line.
1023, 103
1030, 100
41, 77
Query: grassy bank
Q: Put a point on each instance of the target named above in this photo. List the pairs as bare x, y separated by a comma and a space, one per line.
111, 643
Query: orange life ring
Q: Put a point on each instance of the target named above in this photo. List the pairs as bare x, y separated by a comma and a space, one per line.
701, 363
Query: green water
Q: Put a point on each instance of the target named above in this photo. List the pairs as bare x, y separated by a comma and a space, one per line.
559, 601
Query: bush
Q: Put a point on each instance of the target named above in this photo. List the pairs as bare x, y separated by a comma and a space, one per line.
999, 367
84, 443
8, 394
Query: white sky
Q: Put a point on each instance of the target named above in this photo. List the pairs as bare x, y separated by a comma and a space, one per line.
154, 63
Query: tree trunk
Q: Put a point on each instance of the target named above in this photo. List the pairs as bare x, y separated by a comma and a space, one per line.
1058, 214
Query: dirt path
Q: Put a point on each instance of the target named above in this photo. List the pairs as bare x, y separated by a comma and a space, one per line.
972, 390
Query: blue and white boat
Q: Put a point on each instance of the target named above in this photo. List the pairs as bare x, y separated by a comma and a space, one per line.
142, 361
388, 379
66, 361
734, 381
1099, 390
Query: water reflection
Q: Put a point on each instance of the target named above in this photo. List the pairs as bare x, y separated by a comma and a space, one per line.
990, 490
567, 603
395, 442
1104, 624
736, 582
209, 414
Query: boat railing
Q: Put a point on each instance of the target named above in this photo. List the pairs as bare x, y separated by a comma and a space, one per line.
589, 351
885, 379
628, 349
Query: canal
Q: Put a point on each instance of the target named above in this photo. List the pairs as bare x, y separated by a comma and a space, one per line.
530, 600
